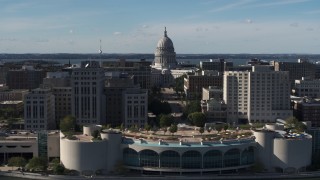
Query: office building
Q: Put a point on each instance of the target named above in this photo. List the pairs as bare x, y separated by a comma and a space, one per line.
261, 96
214, 109
216, 65
12, 95
135, 107
25, 78
212, 92
297, 70
193, 84
115, 86
307, 88
39, 110
140, 70
87, 98
59, 83
308, 110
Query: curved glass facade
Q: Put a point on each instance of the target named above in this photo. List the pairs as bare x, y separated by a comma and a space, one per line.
170, 159
130, 157
212, 159
149, 158
231, 158
247, 156
191, 160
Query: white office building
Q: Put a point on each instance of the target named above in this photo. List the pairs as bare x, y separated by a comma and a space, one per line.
260, 95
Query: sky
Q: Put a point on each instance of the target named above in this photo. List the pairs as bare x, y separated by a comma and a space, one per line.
135, 26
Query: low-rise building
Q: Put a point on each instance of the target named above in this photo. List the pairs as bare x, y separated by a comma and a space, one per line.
308, 110
193, 84
215, 110
306, 87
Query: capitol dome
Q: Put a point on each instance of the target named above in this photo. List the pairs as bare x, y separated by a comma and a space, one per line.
165, 57
165, 42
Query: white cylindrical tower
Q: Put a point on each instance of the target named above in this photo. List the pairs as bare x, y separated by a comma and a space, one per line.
264, 138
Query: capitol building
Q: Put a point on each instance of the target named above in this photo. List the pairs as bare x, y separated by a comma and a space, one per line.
165, 67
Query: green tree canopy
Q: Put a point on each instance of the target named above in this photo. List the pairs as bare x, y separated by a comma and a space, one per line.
157, 107
218, 127
191, 107
147, 127
179, 83
197, 118
201, 130
166, 120
68, 123
173, 128
291, 122
17, 161
37, 163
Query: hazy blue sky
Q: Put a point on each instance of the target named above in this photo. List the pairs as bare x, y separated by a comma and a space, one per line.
135, 26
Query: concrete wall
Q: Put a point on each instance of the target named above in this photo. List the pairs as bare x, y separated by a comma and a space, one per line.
84, 156
53, 145
292, 153
264, 153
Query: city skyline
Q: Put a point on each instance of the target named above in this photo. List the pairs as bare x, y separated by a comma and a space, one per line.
217, 26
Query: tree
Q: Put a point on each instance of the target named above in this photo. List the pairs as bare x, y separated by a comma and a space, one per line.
17, 161
68, 123
37, 163
197, 118
201, 130
225, 127
179, 83
291, 122
165, 130
191, 107
157, 107
300, 127
147, 127
166, 120
218, 127
59, 169
173, 128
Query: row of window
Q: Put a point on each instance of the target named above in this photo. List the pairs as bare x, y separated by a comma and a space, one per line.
189, 160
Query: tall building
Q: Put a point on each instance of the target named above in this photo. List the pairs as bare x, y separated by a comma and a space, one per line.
25, 78
297, 70
88, 100
217, 65
262, 95
135, 107
39, 110
115, 85
140, 70
59, 83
